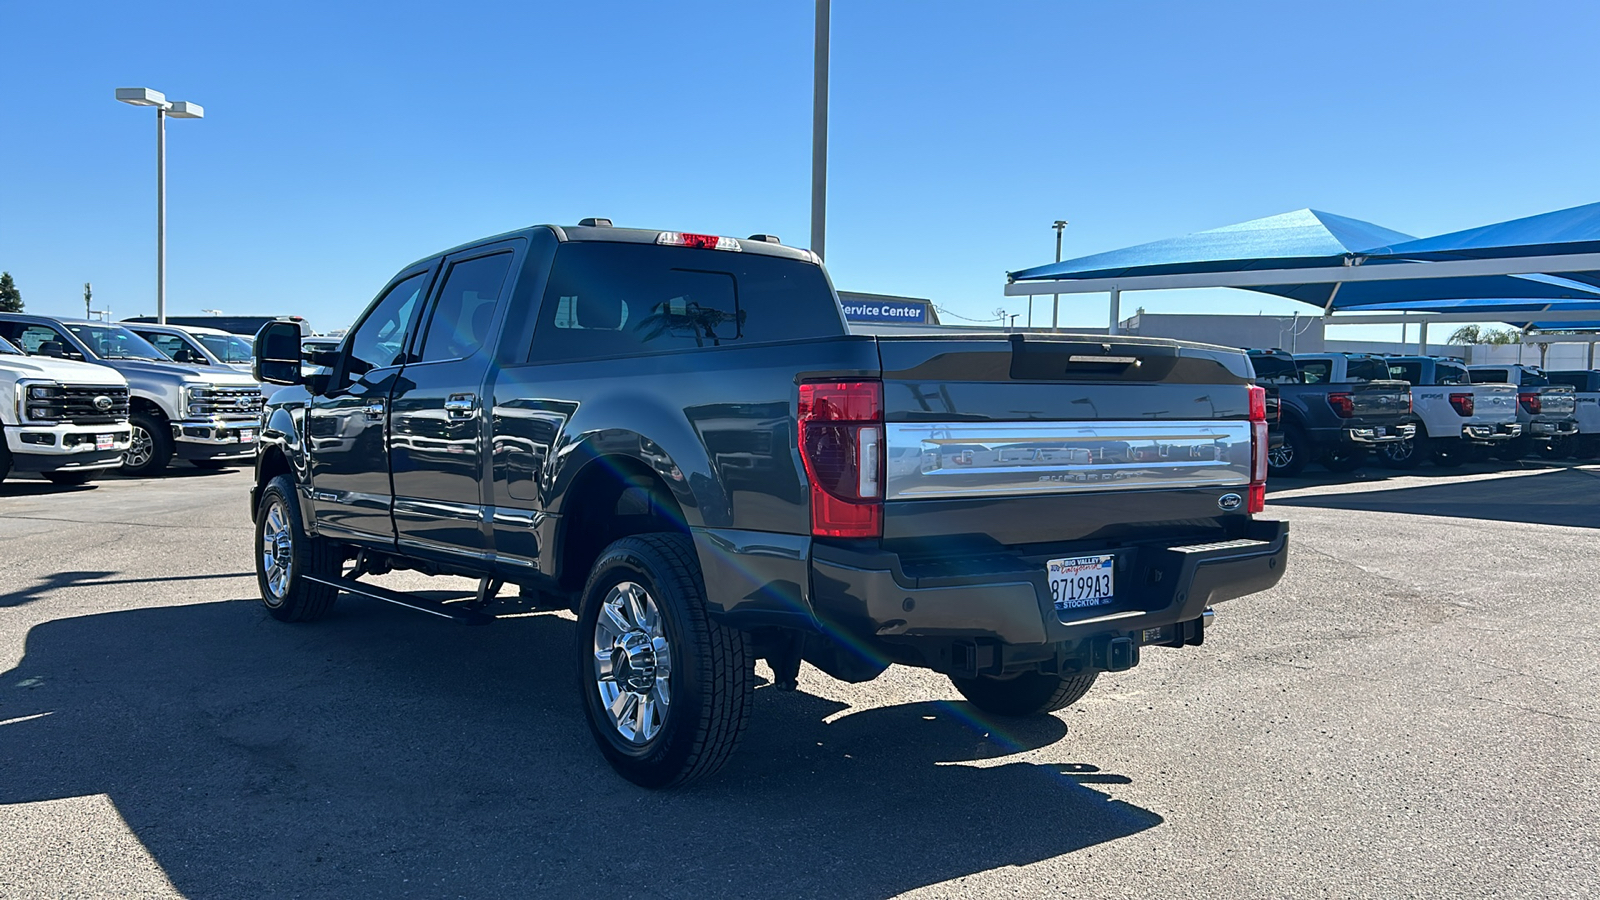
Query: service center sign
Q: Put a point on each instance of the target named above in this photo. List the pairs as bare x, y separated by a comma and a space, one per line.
884, 311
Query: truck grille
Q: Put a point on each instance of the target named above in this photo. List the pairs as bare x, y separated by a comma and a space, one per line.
227, 402
78, 403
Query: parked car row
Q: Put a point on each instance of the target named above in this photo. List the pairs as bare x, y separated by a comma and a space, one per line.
1346, 409
93, 396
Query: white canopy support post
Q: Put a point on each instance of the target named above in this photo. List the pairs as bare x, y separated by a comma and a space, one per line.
1591, 354
1422, 338
1116, 311
1328, 310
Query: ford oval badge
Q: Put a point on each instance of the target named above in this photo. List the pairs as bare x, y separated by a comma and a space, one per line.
1230, 502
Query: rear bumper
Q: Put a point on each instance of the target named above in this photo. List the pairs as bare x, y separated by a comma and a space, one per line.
1553, 429
1003, 620
1380, 434
1491, 434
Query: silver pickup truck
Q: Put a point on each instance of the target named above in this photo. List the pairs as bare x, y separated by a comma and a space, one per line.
208, 417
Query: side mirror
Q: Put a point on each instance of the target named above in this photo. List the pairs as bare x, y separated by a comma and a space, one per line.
52, 348
277, 354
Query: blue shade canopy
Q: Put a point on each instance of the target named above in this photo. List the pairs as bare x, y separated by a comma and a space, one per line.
1415, 293
1565, 231
1299, 239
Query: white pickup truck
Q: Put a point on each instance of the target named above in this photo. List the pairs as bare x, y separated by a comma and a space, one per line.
1548, 412
1585, 384
1458, 419
64, 420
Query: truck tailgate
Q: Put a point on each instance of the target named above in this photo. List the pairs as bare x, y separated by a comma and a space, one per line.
1494, 402
1377, 399
1039, 440
1558, 401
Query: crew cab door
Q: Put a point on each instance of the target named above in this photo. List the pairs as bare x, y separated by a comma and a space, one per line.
345, 424
436, 428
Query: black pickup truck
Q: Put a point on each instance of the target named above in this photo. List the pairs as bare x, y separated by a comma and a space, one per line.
1335, 408
675, 436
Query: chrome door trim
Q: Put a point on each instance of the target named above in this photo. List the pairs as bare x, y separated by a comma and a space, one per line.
990, 459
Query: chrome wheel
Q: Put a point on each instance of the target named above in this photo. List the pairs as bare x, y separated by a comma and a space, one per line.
277, 552
633, 663
141, 450
1281, 455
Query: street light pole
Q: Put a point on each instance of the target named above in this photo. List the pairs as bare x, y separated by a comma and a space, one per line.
819, 134
179, 110
1055, 306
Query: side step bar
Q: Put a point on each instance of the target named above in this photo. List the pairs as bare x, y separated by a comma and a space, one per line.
455, 612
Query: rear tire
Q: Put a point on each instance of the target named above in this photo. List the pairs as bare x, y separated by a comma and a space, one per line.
1407, 454
642, 612
1289, 458
1028, 694
151, 449
1451, 454
68, 477
1344, 459
286, 554
1514, 449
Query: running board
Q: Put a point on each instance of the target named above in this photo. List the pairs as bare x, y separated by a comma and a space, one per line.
452, 611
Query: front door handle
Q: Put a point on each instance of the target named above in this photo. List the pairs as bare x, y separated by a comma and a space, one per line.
374, 410
461, 406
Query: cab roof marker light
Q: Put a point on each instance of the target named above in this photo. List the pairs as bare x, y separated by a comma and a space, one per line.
699, 241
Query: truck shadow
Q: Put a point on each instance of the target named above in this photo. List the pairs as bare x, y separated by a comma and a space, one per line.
1557, 496
380, 754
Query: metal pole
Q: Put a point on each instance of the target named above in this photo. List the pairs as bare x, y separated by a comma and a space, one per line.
1591, 354
1055, 304
161, 216
819, 134
1116, 311
1422, 339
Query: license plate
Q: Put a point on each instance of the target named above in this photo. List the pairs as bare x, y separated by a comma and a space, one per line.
1380, 431
247, 435
103, 441
1080, 582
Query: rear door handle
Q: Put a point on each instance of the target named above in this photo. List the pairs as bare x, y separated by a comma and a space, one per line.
374, 410
461, 406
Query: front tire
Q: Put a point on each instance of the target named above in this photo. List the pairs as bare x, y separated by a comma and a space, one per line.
1028, 694
665, 688
286, 554
151, 449
1559, 447
1449, 454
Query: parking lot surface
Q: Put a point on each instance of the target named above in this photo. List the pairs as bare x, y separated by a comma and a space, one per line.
1412, 712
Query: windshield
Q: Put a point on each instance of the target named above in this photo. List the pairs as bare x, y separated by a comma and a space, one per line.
226, 347
115, 342
6, 348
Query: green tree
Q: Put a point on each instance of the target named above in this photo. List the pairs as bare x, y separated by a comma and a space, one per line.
10, 297
1466, 334
1472, 334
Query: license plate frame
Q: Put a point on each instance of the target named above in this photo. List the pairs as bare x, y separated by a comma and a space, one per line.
105, 441
1081, 582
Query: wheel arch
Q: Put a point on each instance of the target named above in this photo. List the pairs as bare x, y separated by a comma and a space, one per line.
608, 498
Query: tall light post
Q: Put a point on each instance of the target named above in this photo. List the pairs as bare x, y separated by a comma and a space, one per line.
819, 133
178, 110
1055, 305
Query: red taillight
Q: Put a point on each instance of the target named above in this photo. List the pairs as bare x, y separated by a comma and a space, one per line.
1531, 403
1343, 406
1464, 403
841, 444
1256, 497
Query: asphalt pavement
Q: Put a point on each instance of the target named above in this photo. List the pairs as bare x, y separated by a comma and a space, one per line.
1413, 712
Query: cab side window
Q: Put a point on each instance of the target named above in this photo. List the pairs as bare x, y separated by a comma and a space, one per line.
1314, 371
381, 339
465, 309
31, 338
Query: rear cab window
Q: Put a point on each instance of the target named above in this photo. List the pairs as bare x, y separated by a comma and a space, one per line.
1409, 372
1275, 370
1361, 370
615, 299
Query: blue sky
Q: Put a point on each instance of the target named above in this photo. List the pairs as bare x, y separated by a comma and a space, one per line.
341, 143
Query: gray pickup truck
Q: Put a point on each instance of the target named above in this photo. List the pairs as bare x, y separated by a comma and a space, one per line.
677, 436
1547, 412
209, 417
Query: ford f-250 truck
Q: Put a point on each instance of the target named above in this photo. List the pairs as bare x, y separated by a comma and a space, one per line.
1547, 412
208, 417
1336, 407
64, 420
676, 435
1457, 418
